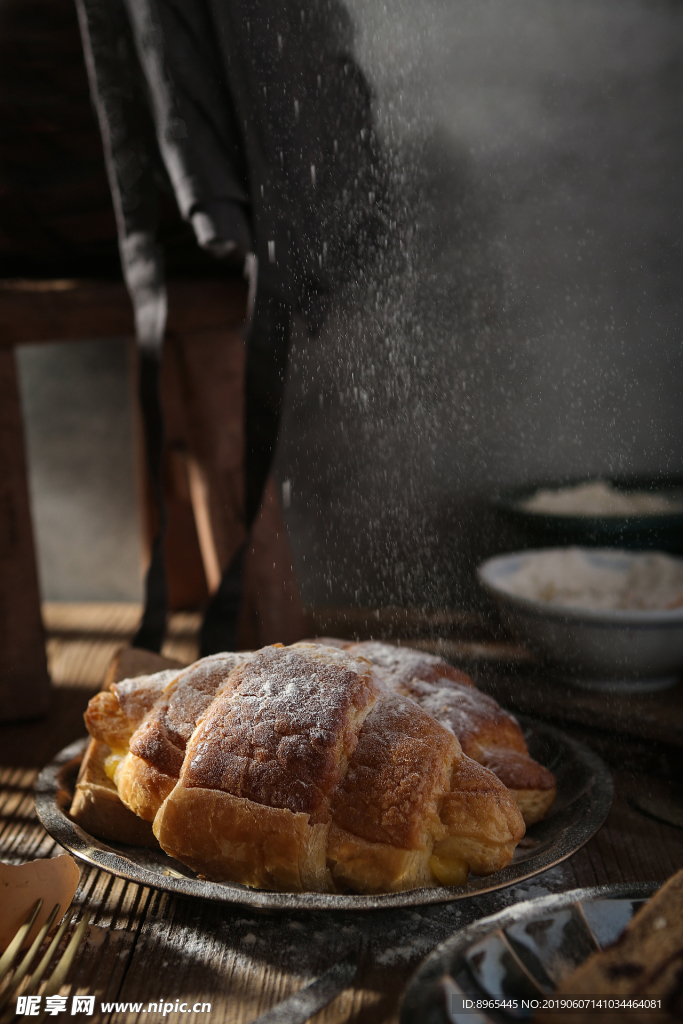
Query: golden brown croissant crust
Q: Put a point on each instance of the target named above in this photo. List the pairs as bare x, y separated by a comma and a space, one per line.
147, 722
113, 715
305, 772
96, 805
162, 736
486, 732
399, 771
284, 731
399, 666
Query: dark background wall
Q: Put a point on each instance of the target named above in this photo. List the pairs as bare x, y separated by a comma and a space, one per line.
528, 329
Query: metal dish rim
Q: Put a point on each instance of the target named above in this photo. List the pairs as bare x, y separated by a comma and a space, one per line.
100, 854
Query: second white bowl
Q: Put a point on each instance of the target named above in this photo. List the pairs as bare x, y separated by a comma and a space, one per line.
607, 648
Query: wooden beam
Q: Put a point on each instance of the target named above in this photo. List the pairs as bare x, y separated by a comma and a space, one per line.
24, 681
60, 310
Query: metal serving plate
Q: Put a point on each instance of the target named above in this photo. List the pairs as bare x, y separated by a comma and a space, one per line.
521, 953
584, 797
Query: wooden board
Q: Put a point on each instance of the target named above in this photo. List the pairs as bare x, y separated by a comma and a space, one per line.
84, 637
54, 310
650, 716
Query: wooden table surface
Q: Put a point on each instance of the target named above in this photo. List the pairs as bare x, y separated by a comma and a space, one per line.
145, 945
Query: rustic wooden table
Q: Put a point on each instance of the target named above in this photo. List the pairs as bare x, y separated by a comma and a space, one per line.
146, 946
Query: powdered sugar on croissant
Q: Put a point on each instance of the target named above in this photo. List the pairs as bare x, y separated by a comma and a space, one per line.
486, 732
299, 769
306, 773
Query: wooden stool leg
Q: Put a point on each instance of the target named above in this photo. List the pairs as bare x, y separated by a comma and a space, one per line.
24, 680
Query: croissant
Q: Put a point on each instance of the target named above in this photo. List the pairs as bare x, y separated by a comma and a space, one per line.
487, 733
305, 772
117, 712
147, 723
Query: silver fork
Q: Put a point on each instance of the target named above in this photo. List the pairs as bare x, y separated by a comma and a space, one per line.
21, 968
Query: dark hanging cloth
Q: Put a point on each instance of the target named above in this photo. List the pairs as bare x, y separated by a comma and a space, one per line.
255, 111
256, 115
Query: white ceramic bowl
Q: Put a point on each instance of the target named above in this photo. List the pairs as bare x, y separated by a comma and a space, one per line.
618, 649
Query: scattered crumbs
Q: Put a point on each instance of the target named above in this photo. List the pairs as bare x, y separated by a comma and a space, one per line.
553, 880
528, 892
419, 947
396, 938
97, 935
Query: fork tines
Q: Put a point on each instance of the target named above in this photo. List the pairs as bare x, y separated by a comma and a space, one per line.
22, 967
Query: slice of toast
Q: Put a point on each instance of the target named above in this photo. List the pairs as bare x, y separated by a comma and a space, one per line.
646, 962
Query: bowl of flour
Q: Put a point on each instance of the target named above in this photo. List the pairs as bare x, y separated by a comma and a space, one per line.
601, 499
634, 513
609, 619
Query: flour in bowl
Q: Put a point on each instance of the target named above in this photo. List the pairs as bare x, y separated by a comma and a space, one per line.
576, 578
598, 498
